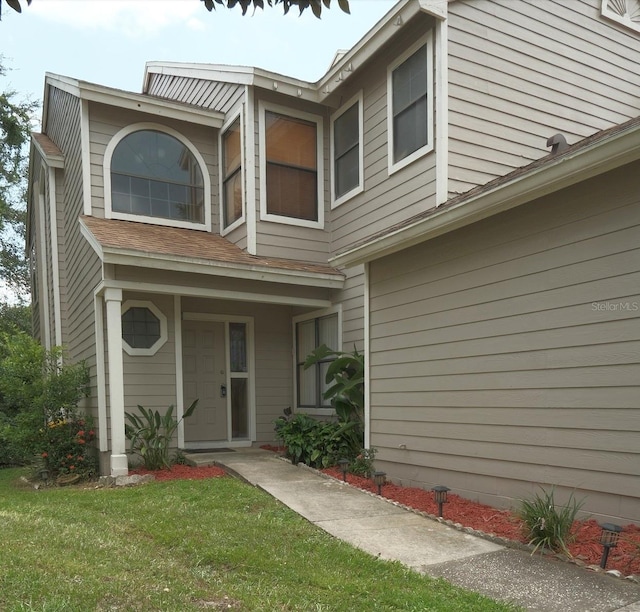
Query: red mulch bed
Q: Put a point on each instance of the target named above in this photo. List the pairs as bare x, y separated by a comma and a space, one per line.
585, 547
182, 472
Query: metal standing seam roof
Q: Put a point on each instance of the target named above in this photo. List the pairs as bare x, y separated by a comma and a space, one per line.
188, 244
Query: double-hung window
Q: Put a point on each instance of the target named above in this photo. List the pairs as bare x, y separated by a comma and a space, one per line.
410, 105
231, 175
347, 151
291, 167
309, 335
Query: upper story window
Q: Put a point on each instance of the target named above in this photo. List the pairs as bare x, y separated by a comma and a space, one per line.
347, 177
155, 173
410, 105
232, 209
291, 168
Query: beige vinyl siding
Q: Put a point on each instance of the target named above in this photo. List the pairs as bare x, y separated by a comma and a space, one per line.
351, 297
216, 95
82, 270
507, 353
520, 72
387, 199
273, 357
107, 121
150, 380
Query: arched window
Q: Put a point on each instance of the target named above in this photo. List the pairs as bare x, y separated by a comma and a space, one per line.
153, 174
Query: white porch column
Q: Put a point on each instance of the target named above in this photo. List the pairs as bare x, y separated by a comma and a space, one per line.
113, 301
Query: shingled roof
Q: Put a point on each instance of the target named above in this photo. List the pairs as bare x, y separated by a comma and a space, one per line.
129, 237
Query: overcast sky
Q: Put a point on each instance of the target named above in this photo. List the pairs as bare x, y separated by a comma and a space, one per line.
109, 41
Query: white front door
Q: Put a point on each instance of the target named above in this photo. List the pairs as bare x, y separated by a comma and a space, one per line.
205, 378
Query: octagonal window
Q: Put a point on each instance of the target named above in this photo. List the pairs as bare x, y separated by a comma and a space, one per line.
144, 328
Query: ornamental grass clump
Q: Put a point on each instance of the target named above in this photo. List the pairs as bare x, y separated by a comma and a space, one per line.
548, 525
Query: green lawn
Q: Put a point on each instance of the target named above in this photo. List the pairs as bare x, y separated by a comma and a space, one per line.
190, 545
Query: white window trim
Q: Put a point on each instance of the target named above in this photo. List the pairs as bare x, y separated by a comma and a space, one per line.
359, 188
296, 114
422, 151
160, 342
336, 309
109, 213
238, 222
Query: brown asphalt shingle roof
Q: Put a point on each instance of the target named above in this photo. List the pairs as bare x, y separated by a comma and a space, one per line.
47, 145
189, 244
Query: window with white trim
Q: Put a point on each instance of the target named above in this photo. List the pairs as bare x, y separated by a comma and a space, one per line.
410, 105
291, 168
144, 328
232, 209
153, 174
347, 151
310, 334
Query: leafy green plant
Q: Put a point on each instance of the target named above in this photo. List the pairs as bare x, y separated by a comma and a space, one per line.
68, 448
316, 443
547, 524
345, 375
39, 388
362, 465
151, 434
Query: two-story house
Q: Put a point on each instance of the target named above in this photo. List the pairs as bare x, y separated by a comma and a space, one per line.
199, 239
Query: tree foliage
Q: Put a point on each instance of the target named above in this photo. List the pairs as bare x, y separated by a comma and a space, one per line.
15, 128
301, 5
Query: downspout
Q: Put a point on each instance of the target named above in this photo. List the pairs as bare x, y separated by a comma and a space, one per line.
367, 361
442, 109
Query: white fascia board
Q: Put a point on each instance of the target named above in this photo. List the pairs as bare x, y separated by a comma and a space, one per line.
374, 39
135, 101
565, 171
157, 261
239, 75
206, 292
91, 239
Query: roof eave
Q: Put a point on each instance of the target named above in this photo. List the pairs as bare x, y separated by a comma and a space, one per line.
375, 38
135, 101
139, 259
584, 163
128, 257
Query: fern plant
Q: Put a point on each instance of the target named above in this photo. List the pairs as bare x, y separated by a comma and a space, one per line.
151, 434
548, 525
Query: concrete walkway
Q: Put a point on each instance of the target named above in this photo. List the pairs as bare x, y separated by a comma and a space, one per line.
390, 532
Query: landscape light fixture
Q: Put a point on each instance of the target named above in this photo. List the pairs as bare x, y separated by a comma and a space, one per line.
440, 496
344, 466
609, 539
380, 478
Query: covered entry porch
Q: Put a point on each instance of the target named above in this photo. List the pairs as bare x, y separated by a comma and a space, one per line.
169, 332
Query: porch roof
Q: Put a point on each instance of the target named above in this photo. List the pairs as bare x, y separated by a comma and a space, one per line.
152, 246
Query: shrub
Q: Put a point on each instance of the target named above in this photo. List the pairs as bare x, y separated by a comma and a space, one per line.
68, 448
546, 524
316, 443
151, 435
37, 389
